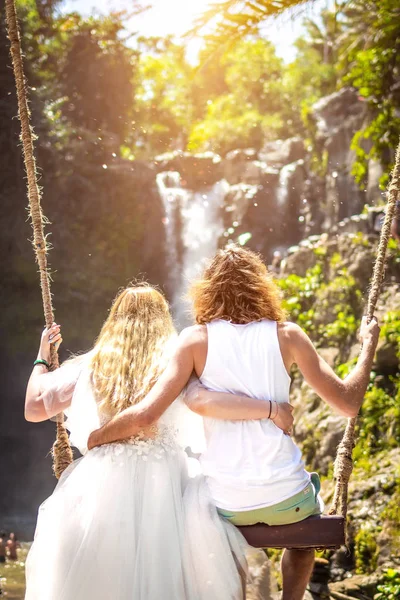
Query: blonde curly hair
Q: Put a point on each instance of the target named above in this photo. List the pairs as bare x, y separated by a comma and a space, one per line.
236, 287
132, 349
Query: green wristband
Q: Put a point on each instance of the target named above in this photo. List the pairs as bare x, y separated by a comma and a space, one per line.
41, 361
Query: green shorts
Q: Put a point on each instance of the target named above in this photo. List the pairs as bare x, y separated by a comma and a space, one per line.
294, 509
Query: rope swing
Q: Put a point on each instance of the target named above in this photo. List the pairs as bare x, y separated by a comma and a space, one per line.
62, 453
322, 532
343, 466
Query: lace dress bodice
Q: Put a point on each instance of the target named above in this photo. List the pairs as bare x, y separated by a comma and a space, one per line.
142, 447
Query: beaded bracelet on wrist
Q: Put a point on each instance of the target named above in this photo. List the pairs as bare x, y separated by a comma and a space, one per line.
41, 361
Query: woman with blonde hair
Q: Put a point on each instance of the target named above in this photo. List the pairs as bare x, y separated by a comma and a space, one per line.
117, 524
243, 344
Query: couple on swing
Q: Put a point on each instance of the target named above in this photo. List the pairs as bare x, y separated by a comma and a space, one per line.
126, 521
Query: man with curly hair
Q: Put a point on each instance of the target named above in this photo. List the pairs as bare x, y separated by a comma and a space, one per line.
242, 344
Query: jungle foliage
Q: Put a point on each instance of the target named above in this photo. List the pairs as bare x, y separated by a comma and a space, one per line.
356, 43
92, 79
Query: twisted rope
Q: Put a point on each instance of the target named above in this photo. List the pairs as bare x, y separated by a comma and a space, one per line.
62, 453
343, 466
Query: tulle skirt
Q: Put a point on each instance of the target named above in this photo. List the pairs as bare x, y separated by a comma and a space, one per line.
126, 522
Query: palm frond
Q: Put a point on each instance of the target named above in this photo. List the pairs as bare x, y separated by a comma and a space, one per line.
227, 21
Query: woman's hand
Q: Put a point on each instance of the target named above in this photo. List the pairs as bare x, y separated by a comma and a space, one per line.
49, 336
235, 407
283, 418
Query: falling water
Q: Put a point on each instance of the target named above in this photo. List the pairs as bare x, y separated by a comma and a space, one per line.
193, 226
282, 192
173, 197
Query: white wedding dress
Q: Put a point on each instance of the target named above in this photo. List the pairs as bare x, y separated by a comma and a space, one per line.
126, 522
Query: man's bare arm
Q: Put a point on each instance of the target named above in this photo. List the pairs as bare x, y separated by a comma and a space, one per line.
344, 395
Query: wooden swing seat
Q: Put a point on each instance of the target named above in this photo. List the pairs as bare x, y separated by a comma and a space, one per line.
319, 531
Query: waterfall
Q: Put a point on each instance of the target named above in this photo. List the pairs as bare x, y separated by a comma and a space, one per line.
282, 192
193, 225
173, 196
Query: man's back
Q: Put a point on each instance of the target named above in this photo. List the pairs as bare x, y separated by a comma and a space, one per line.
249, 463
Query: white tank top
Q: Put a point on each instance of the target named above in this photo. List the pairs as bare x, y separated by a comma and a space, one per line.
249, 464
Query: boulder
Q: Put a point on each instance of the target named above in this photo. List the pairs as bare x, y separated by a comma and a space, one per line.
386, 358
374, 192
299, 262
330, 110
282, 152
253, 172
331, 355
256, 209
359, 254
338, 117
236, 203
332, 430
359, 586
242, 155
197, 170
236, 164
353, 224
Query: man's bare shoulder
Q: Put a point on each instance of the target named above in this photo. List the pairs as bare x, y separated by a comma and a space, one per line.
289, 331
294, 338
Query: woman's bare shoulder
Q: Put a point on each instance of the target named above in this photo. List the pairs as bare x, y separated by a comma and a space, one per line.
194, 334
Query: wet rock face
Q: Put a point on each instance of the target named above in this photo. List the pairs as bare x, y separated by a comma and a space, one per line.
268, 204
303, 202
374, 489
253, 208
359, 586
291, 201
197, 170
298, 261
338, 117
329, 111
283, 152
374, 192
238, 167
103, 236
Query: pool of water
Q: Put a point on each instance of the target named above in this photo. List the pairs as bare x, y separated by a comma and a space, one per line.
12, 576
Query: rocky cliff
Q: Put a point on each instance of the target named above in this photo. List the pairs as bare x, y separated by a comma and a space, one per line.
325, 283
280, 199
333, 274
113, 220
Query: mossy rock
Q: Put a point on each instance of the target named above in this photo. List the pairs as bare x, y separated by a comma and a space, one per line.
358, 586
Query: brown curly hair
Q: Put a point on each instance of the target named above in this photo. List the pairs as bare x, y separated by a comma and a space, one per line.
236, 287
